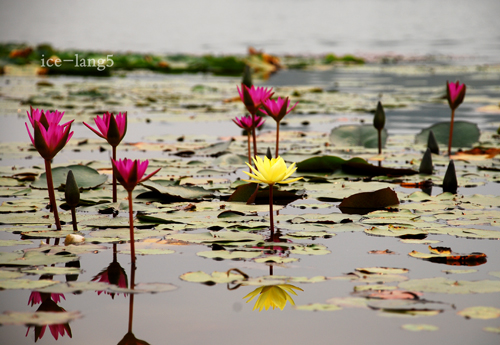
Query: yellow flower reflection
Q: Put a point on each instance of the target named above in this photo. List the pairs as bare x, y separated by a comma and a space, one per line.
271, 171
272, 296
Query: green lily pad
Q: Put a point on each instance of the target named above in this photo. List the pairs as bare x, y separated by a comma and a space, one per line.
85, 177
210, 279
228, 255
325, 163
276, 259
317, 307
419, 327
312, 249
148, 251
10, 243
10, 275
465, 133
25, 284
443, 285
53, 270
483, 313
177, 193
34, 259
39, 318
357, 135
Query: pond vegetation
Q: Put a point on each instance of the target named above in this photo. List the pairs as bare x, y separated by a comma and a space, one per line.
355, 245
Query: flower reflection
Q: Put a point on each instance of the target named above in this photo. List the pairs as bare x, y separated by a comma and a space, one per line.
114, 274
48, 305
273, 296
38, 297
130, 339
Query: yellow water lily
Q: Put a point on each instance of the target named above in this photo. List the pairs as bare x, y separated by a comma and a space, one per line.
273, 296
271, 171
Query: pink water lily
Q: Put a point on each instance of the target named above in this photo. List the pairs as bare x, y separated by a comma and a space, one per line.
49, 138
455, 93
46, 118
277, 109
111, 128
253, 97
49, 141
248, 123
129, 172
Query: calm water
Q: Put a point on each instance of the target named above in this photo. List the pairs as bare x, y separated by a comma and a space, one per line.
411, 27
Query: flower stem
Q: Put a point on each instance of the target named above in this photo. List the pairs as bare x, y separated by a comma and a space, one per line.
450, 138
277, 138
249, 149
52, 196
131, 222
379, 141
271, 215
114, 177
254, 137
73, 219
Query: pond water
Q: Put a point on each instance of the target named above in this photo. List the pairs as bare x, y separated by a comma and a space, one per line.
217, 314
455, 28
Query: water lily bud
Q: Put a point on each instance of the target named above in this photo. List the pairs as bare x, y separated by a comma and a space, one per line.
73, 239
269, 155
379, 118
455, 93
247, 76
450, 183
72, 192
432, 143
426, 166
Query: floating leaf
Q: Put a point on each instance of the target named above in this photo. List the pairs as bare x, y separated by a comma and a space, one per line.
357, 135
325, 163
465, 134
228, 255
419, 327
176, 193
85, 177
38, 318
211, 279
318, 307
25, 284
369, 200
450, 258
140, 251
443, 285
480, 313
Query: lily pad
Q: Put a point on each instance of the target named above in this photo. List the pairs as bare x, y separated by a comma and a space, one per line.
480, 313
465, 133
85, 177
357, 135
317, 307
39, 318
419, 327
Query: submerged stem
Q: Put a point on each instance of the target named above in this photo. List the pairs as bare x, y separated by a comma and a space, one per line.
52, 196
